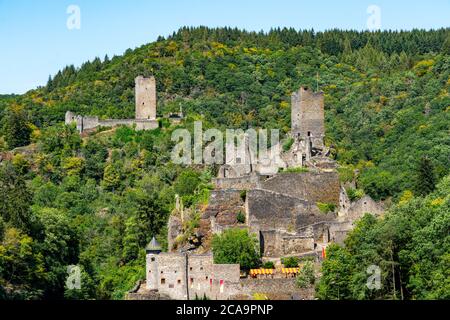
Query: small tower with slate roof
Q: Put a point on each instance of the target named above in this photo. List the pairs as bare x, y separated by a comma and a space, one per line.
152, 250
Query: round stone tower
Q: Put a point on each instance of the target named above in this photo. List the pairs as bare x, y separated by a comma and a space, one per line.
152, 251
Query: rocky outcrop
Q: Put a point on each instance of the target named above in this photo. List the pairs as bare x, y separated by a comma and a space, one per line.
223, 208
174, 229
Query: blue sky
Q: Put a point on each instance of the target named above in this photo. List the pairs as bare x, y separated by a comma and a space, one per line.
36, 41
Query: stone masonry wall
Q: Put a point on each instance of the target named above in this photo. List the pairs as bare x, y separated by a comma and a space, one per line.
311, 186
294, 245
86, 123
283, 288
364, 205
140, 124
243, 183
268, 210
274, 243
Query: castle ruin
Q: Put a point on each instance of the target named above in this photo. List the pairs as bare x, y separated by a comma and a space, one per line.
145, 117
284, 209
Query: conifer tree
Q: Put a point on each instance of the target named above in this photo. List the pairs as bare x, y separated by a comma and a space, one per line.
16, 129
426, 180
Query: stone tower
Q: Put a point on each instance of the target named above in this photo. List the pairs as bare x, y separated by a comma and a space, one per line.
145, 92
307, 116
152, 251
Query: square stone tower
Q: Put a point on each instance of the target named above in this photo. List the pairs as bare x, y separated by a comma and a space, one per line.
308, 117
145, 93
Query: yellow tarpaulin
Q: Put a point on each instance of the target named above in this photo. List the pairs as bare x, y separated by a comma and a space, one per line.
260, 271
290, 270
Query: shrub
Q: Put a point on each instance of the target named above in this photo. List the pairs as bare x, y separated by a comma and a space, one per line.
295, 170
354, 194
377, 183
269, 265
236, 246
187, 182
290, 262
2, 228
288, 144
204, 298
3, 144
243, 195
346, 174
326, 207
306, 276
240, 217
307, 258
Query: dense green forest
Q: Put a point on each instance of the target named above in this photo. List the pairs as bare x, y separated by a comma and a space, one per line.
411, 246
97, 201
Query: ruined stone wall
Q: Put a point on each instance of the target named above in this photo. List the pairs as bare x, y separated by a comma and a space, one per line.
284, 288
146, 125
138, 124
140, 296
70, 117
271, 162
274, 243
319, 231
145, 117
312, 186
293, 245
86, 123
268, 210
242, 183
337, 231
278, 288
116, 122
364, 205
268, 243
344, 203
145, 95
272, 211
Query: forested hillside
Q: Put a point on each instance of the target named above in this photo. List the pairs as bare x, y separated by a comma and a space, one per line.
97, 201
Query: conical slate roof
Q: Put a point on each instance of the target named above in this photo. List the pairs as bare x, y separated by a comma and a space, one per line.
153, 246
